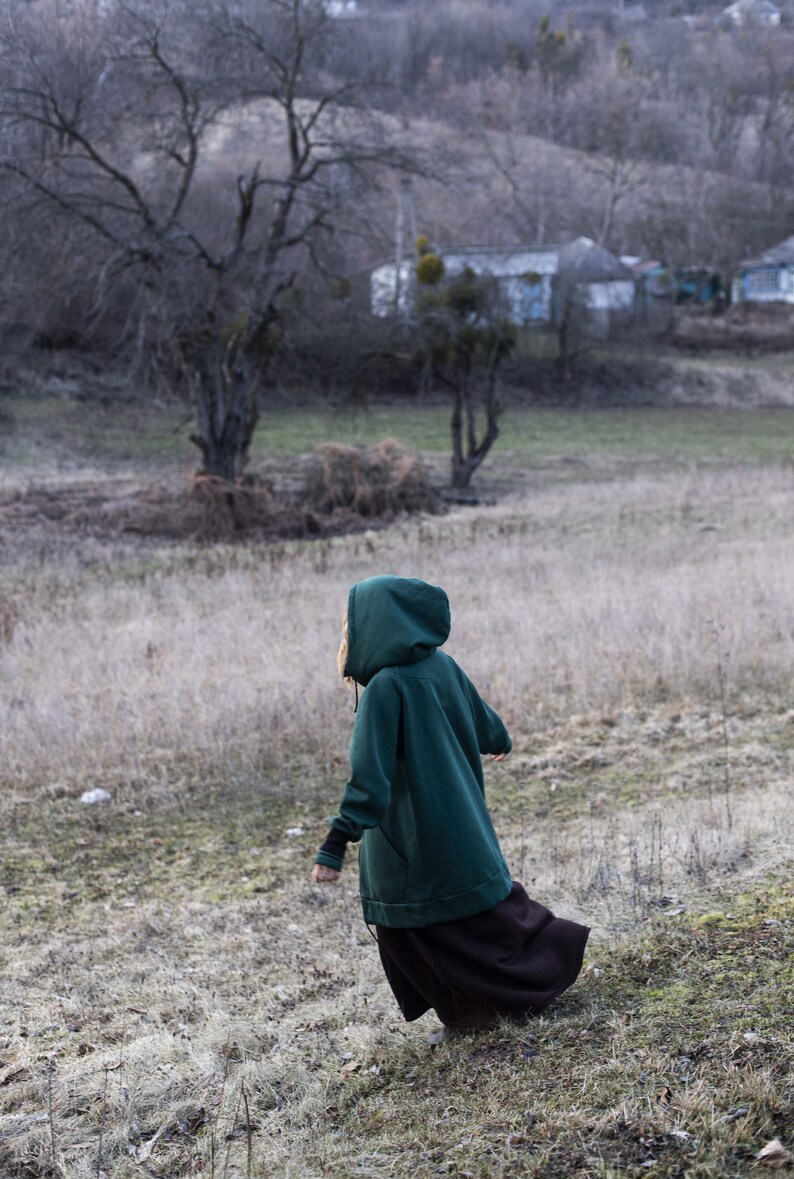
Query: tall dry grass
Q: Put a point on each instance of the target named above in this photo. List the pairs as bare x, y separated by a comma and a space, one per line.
584, 598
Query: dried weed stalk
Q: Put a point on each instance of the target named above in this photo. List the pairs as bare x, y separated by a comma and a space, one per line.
721, 656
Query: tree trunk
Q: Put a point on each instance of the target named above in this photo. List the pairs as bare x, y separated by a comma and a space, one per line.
464, 464
458, 462
225, 394
462, 473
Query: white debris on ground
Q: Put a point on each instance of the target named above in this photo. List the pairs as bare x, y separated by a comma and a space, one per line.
89, 797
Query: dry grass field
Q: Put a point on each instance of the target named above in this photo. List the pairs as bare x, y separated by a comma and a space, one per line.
178, 999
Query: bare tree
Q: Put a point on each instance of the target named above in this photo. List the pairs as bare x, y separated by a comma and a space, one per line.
464, 338
204, 150
774, 122
614, 134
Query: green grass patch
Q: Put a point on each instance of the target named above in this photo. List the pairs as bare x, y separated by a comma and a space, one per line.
675, 434
40, 432
533, 435
71, 433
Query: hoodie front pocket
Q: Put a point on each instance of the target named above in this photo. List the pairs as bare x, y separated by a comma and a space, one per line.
384, 873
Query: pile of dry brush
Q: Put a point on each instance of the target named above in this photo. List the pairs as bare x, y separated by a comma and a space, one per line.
346, 488
371, 482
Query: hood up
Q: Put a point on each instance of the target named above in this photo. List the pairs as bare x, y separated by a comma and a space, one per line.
392, 621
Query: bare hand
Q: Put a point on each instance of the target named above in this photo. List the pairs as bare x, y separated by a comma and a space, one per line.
322, 874
499, 756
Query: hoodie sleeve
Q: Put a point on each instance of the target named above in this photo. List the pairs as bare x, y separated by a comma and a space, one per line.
373, 758
492, 735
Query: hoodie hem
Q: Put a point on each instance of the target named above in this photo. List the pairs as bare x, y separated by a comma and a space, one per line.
416, 914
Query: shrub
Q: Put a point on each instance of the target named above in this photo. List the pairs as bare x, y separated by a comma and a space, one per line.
430, 270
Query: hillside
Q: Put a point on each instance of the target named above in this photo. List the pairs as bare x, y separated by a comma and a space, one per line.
483, 186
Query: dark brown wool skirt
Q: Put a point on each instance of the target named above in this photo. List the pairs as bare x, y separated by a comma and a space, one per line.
511, 960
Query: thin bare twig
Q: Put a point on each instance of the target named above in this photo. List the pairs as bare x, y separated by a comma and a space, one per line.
53, 1145
102, 1124
216, 1119
716, 629
230, 1135
248, 1136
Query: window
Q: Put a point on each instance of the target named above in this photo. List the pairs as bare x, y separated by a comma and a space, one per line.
760, 281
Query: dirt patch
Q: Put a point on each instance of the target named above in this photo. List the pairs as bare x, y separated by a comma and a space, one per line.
745, 328
343, 489
692, 374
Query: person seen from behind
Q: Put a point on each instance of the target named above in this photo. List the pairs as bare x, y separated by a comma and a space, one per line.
455, 932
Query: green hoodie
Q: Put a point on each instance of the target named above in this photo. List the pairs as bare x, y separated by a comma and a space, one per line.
416, 796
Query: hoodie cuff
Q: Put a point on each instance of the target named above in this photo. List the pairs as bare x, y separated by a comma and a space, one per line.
329, 861
332, 851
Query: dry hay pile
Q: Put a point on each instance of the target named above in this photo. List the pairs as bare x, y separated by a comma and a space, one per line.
379, 481
216, 509
344, 486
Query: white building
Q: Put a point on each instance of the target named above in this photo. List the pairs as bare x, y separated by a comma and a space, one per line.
768, 278
533, 281
340, 9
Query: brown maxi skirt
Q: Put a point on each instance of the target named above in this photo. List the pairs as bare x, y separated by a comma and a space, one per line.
511, 960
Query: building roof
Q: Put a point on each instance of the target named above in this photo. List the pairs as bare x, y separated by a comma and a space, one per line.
583, 261
751, 7
641, 267
780, 255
